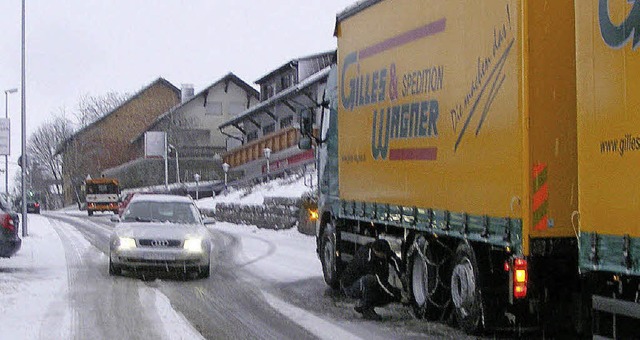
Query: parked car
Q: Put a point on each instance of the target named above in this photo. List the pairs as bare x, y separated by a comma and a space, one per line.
33, 206
10, 242
160, 233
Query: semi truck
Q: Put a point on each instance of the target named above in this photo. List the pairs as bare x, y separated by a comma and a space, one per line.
450, 130
608, 64
493, 144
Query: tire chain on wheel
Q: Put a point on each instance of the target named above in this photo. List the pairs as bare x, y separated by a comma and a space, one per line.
438, 270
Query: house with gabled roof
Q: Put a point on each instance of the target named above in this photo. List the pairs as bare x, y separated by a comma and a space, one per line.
106, 143
263, 139
193, 135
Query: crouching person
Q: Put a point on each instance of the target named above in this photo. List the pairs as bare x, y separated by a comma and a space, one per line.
366, 278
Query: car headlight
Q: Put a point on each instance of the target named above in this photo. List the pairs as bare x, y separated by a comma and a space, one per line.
193, 245
126, 243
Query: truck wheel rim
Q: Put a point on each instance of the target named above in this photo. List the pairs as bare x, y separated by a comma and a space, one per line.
419, 279
463, 286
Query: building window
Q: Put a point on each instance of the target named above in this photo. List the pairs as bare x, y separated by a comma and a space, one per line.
271, 90
268, 91
251, 136
286, 122
214, 108
268, 129
236, 107
285, 81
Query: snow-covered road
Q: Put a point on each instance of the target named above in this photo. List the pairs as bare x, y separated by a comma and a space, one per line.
264, 284
49, 290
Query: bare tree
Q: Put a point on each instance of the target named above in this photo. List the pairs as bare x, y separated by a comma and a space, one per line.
91, 108
43, 163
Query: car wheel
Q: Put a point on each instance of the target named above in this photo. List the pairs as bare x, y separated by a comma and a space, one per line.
465, 290
90, 212
331, 264
113, 270
205, 271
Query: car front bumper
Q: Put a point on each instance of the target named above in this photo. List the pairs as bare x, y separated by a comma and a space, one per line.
166, 259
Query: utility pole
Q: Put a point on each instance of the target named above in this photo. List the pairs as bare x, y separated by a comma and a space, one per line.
23, 110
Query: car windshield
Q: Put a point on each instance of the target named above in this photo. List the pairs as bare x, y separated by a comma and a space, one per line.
150, 211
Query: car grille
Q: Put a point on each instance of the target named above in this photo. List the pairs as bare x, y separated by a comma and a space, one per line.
159, 243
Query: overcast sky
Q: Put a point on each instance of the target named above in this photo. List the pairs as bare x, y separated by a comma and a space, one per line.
78, 47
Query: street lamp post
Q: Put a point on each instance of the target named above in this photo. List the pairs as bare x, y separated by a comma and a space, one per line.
225, 168
196, 177
23, 116
177, 163
267, 155
6, 157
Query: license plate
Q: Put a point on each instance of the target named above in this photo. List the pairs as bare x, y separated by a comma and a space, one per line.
162, 257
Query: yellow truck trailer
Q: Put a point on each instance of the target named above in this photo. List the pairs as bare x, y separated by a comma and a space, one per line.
608, 69
451, 132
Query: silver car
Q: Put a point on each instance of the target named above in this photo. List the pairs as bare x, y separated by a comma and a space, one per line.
160, 232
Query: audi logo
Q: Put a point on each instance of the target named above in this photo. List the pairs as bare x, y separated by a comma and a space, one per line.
159, 243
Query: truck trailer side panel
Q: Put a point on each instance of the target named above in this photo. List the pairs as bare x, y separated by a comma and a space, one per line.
608, 64
462, 107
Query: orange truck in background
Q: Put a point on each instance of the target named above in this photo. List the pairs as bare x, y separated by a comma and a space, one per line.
102, 194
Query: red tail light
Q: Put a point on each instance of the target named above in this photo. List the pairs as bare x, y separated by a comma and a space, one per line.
37, 204
7, 222
520, 278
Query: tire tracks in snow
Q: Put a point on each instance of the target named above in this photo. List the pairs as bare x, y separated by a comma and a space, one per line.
101, 307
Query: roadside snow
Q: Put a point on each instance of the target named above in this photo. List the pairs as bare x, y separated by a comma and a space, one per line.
32, 280
282, 187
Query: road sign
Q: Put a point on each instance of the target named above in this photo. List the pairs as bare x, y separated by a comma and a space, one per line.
154, 143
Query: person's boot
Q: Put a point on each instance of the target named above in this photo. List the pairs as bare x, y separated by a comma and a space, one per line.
370, 314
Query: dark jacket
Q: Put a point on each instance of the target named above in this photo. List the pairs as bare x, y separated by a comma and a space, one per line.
365, 262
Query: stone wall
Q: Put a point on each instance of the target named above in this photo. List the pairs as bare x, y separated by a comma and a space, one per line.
276, 213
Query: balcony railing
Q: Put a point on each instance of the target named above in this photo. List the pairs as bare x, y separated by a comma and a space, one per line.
276, 141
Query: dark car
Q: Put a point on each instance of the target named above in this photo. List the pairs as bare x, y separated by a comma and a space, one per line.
10, 242
33, 206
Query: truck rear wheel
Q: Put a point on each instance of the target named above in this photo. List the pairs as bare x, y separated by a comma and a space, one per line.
331, 264
428, 295
465, 290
